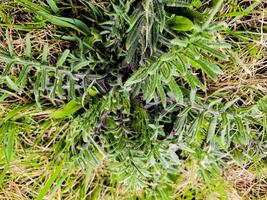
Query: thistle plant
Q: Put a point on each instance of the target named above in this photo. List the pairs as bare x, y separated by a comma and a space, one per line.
128, 110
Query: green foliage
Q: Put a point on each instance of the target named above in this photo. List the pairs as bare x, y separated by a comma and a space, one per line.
129, 108
57, 81
180, 23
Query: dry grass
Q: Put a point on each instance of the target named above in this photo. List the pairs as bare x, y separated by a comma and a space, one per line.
247, 184
237, 82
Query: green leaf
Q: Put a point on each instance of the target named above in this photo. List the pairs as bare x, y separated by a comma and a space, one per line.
194, 51
192, 96
237, 59
53, 6
131, 52
212, 51
15, 112
68, 110
11, 84
52, 94
137, 77
72, 94
181, 65
66, 22
32, 5
10, 145
92, 91
95, 193
178, 3
154, 37
173, 156
43, 79
210, 69
153, 68
36, 87
63, 58
28, 50
212, 129
81, 65
166, 72
60, 90
49, 183
197, 3
255, 51
150, 87
9, 43
77, 23
196, 127
160, 14
180, 23
8, 150
23, 75
45, 53
7, 68
225, 133
242, 136
229, 104
134, 33
262, 105
162, 93
180, 125
181, 43
175, 89
193, 81
184, 147
216, 9
137, 14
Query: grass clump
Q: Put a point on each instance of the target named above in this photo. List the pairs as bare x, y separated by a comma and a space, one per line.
132, 100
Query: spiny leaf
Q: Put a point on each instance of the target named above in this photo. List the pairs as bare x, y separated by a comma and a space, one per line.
151, 87
160, 14
138, 76
162, 94
166, 72
193, 81
209, 68
176, 91
134, 18
212, 51
131, 52
134, 33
